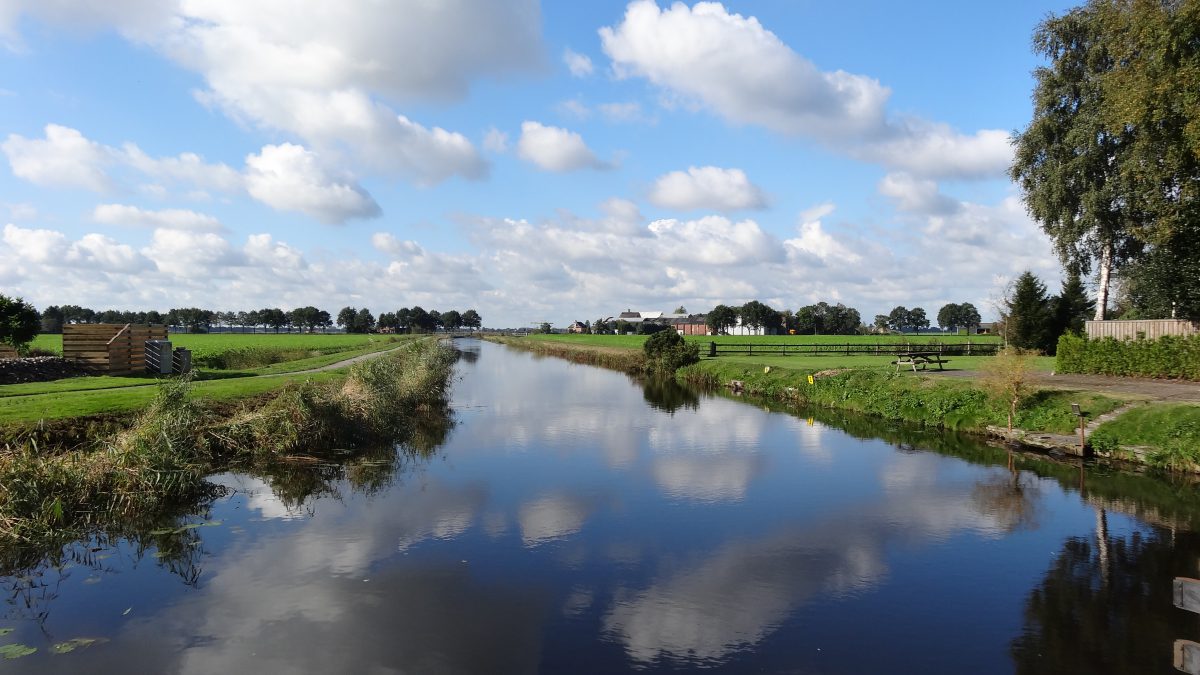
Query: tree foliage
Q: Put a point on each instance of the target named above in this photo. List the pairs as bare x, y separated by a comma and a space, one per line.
19, 322
721, 319
667, 350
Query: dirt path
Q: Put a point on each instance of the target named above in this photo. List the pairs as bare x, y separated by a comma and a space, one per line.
335, 366
1174, 391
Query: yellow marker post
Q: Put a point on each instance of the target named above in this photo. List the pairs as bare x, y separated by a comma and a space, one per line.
810, 379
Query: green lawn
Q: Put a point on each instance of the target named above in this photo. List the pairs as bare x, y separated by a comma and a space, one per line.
635, 341
207, 344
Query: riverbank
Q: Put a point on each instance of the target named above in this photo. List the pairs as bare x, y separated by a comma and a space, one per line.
164, 454
1170, 439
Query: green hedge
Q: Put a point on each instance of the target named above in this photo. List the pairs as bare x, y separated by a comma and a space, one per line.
1168, 356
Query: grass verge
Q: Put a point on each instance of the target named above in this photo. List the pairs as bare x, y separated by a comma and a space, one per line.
179, 438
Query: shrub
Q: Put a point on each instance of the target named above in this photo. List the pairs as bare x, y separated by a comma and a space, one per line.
667, 351
1168, 356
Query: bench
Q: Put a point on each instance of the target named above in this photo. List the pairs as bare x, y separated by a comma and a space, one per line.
922, 359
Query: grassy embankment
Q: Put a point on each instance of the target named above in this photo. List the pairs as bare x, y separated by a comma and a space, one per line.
228, 365
871, 385
161, 459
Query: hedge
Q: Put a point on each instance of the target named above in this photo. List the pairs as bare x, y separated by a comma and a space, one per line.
1168, 356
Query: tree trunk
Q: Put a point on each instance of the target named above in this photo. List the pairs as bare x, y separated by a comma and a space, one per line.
1106, 255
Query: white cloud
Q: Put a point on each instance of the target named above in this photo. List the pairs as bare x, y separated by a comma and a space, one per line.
574, 107
740, 69
707, 187
191, 254
171, 219
579, 64
555, 149
733, 65
289, 177
627, 111
187, 169
916, 195
64, 158
38, 246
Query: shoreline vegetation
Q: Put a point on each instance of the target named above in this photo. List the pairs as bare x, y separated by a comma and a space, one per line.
161, 459
1158, 435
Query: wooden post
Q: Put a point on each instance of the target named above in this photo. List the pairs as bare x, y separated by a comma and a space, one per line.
1187, 657
712, 349
1187, 594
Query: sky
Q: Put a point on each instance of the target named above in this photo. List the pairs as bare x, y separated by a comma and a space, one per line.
551, 161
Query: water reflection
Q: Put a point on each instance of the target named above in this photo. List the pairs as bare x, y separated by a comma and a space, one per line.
575, 521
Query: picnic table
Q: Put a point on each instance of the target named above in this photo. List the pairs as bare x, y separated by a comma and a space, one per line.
922, 359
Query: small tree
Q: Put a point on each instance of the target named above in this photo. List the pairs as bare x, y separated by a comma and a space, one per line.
1006, 378
1027, 312
471, 319
666, 351
345, 318
545, 328
19, 323
721, 319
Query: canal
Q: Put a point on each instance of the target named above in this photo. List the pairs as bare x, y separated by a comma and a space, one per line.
571, 519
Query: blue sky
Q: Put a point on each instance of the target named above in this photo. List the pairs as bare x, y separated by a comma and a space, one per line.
553, 161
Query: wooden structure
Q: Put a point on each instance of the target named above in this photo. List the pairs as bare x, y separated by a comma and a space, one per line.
922, 359
110, 348
1149, 329
7, 352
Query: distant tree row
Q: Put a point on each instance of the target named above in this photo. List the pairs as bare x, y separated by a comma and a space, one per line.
819, 319
305, 319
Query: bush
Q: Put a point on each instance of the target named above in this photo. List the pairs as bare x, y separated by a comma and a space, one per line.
1168, 356
19, 322
667, 351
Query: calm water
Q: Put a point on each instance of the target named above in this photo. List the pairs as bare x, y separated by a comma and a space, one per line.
577, 521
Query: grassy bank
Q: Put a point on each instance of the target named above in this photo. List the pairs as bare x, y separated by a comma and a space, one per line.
162, 457
1165, 435
616, 357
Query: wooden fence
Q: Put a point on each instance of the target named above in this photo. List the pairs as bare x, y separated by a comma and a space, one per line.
7, 352
110, 348
1150, 329
849, 349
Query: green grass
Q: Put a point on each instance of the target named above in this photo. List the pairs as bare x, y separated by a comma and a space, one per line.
88, 402
635, 341
206, 345
1159, 426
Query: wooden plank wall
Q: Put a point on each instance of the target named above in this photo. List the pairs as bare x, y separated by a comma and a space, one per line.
110, 348
1150, 329
7, 352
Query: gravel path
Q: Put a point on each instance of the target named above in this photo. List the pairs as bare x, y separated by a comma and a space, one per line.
1176, 391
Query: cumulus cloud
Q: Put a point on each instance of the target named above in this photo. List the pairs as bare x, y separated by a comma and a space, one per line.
187, 169
915, 195
171, 219
579, 64
63, 158
495, 141
290, 178
707, 187
555, 149
733, 65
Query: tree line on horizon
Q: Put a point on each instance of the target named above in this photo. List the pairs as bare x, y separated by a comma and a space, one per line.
304, 319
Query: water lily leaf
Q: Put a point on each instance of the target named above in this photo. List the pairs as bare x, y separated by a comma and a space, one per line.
16, 651
75, 643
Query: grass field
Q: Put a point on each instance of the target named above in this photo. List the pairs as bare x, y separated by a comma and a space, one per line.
635, 341
204, 345
280, 353
802, 362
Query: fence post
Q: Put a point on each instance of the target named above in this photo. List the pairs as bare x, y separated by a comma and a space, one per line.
712, 349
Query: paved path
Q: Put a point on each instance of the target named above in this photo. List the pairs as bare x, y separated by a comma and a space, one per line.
1176, 391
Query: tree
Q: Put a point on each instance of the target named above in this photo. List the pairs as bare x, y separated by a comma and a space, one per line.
403, 320
545, 328
721, 319
968, 316
1069, 159
345, 318
757, 315
600, 326
881, 322
1070, 308
1027, 314
680, 310
917, 319
948, 316
898, 319
364, 321
1006, 378
274, 317
419, 318
452, 320
19, 322
387, 320
667, 351
52, 319
471, 319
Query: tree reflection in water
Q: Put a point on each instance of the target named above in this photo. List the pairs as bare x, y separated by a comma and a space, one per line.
664, 393
1104, 605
